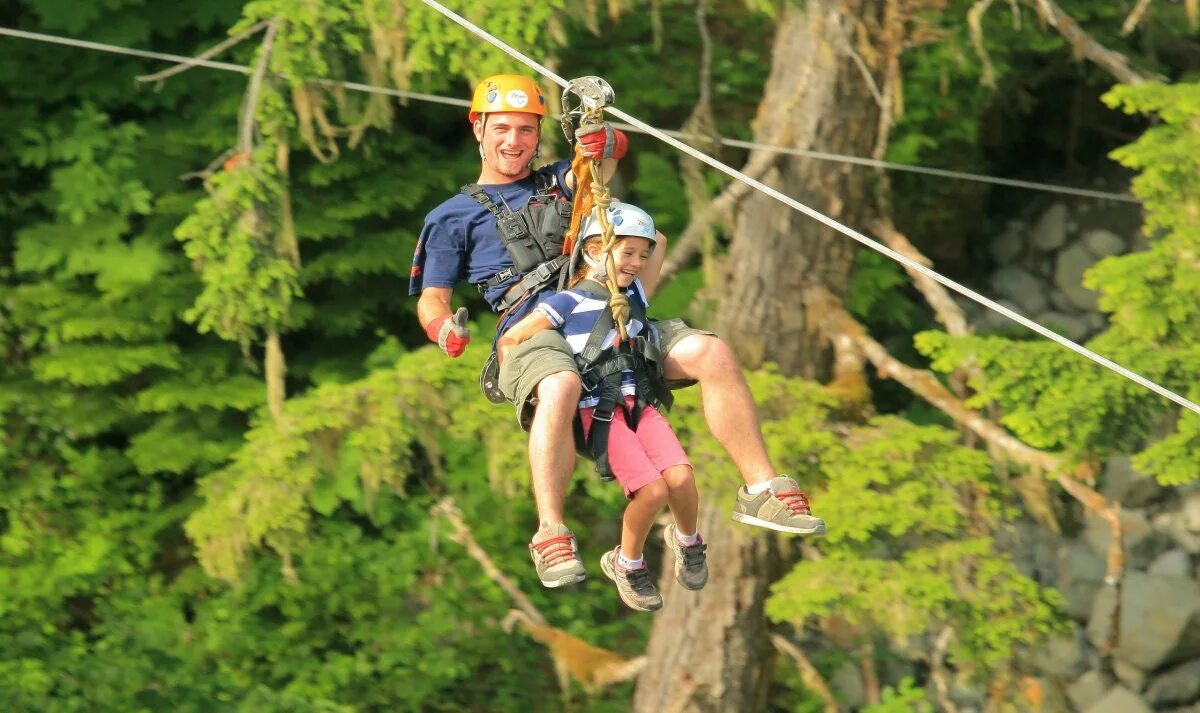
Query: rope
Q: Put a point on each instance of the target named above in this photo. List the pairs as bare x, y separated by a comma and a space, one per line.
830, 222
667, 137
189, 62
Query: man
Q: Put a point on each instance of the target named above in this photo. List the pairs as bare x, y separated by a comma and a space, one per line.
499, 235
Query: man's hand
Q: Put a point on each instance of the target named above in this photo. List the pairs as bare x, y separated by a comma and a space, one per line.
601, 141
450, 333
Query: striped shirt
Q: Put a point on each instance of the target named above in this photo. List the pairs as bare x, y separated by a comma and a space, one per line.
574, 313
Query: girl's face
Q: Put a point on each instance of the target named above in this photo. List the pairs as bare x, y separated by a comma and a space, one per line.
630, 256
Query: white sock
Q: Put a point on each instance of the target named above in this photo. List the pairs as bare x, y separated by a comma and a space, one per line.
628, 563
758, 487
687, 539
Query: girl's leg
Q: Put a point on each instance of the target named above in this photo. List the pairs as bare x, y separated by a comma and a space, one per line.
644, 506
683, 498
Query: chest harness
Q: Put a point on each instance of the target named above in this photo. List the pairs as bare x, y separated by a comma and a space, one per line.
532, 236
603, 368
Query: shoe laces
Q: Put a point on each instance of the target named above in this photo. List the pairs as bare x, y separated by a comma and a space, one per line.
796, 501
554, 550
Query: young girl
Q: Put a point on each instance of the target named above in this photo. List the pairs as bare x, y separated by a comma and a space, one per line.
642, 451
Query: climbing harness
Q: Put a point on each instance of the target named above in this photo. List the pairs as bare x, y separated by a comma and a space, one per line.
532, 236
830, 222
604, 367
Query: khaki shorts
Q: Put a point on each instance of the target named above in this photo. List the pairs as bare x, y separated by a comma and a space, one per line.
547, 353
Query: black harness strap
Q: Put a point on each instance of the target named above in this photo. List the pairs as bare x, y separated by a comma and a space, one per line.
604, 368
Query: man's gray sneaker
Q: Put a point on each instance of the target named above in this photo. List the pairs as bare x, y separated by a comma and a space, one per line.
782, 506
691, 563
636, 586
556, 557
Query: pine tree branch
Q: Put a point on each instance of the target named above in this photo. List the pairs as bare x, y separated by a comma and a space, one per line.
1111, 61
247, 121
205, 55
837, 321
937, 669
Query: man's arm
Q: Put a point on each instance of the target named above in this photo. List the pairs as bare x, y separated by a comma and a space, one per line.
650, 272
522, 331
448, 332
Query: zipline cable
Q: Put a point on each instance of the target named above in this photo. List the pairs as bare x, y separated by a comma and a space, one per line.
635, 124
736, 143
830, 222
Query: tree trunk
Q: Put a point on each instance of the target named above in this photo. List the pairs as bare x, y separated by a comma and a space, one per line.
817, 97
711, 650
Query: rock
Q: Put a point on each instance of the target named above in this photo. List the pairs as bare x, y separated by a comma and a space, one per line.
1161, 616
1080, 574
1087, 690
1050, 231
1142, 542
1127, 486
1191, 511
992, 321
1173, 524
1131, 676
1103, 243
1019, 286
1175, 563
1072, 328
1062, 656
1119, 700
1176, 686
1007, 247
1060, 302
1068, 276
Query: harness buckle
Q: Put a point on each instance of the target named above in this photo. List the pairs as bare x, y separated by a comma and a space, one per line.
599, 415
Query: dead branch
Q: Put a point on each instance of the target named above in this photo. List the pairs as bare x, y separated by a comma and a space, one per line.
593, 667
808, 673
205, 55
837, 321
937, 669
247, 123
945, 309
1115, 63
975, 25
1135, 16
462, 535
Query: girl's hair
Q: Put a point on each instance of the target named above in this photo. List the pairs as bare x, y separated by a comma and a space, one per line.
587, 269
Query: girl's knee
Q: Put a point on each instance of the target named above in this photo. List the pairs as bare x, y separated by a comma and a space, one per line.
653, 492
679, 477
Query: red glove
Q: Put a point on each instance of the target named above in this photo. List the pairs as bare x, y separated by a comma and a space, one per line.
450, 333
600, 141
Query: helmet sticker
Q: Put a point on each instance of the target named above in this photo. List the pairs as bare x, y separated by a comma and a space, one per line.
492, 93
517, 99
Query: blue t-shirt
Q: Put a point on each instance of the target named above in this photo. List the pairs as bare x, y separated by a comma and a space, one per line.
460, 241
574, 313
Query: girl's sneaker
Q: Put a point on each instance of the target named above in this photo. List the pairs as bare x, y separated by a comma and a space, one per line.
636, 586
691, 562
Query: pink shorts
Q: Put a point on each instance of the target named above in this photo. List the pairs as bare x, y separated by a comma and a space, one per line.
638, 458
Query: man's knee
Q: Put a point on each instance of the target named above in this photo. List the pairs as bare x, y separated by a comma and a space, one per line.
702, 356
559, 390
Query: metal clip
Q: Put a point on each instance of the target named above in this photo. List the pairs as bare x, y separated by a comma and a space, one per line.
594, 94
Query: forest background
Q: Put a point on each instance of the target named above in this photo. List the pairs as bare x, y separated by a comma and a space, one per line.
235, 475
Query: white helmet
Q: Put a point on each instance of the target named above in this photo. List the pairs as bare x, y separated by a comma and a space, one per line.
627, 220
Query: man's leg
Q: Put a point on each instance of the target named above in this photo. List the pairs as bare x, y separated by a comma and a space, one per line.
768, 500
728, 404
552, 444
544, 367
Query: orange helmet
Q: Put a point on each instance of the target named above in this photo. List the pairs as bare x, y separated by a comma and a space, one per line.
507, 92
